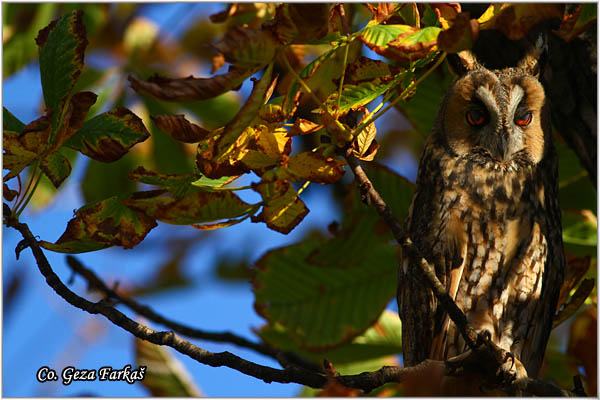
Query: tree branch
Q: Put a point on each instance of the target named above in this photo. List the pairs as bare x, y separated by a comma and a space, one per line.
365, 381
164, 338
285, 358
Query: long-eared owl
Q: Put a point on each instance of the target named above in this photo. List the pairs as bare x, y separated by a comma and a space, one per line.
485, 213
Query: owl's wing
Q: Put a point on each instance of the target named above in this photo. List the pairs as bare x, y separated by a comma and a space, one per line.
534, 348
417, 306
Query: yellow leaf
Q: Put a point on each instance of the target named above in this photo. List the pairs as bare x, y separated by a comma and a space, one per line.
283, 210
273, 141
314, 167
366, 136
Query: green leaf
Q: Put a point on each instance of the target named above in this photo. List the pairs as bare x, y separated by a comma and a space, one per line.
400, 42
10, 122
324, 62
425, 35
190, 88
366, 352
363, 232
377, 37
575, 189
56, 167
322, 307
141, 174
108, 136
215, 112
422, 108
62, 45
579, 230
165, 375
103, 180
206, 183
356, 96
100, 225
46, 191
194, 208
20, 49
169, 155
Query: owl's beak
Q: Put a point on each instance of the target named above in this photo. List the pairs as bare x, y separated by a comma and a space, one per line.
501, 145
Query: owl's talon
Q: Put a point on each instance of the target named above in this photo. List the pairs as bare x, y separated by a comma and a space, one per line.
487, 335
512, 358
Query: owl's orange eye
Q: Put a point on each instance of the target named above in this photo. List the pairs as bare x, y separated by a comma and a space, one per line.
524, 119
475, 118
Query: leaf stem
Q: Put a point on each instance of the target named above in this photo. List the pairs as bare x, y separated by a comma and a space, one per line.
303, 187
29, 183
402, 96
37, 182
343, 74
232, 188
302, 83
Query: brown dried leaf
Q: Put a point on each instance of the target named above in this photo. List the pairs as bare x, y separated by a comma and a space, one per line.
7, 193
299, 23
583, 346
194, 208
102, 224
460, 36
446, 12
575, 271
179, 128
190, 88
516, 20
366, 69
108, 136
248, 48
217, 62
35, 135
576, 301
573, 24
383, 12
304, 127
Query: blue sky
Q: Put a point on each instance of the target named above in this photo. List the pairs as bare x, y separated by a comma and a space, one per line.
44, 330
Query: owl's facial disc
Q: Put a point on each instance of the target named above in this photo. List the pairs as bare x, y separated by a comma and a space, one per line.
497, 113
509, 115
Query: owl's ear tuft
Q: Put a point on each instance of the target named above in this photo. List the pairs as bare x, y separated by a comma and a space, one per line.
535, 57
462, 62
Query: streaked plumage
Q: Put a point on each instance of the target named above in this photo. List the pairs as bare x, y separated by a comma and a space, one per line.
486, 213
